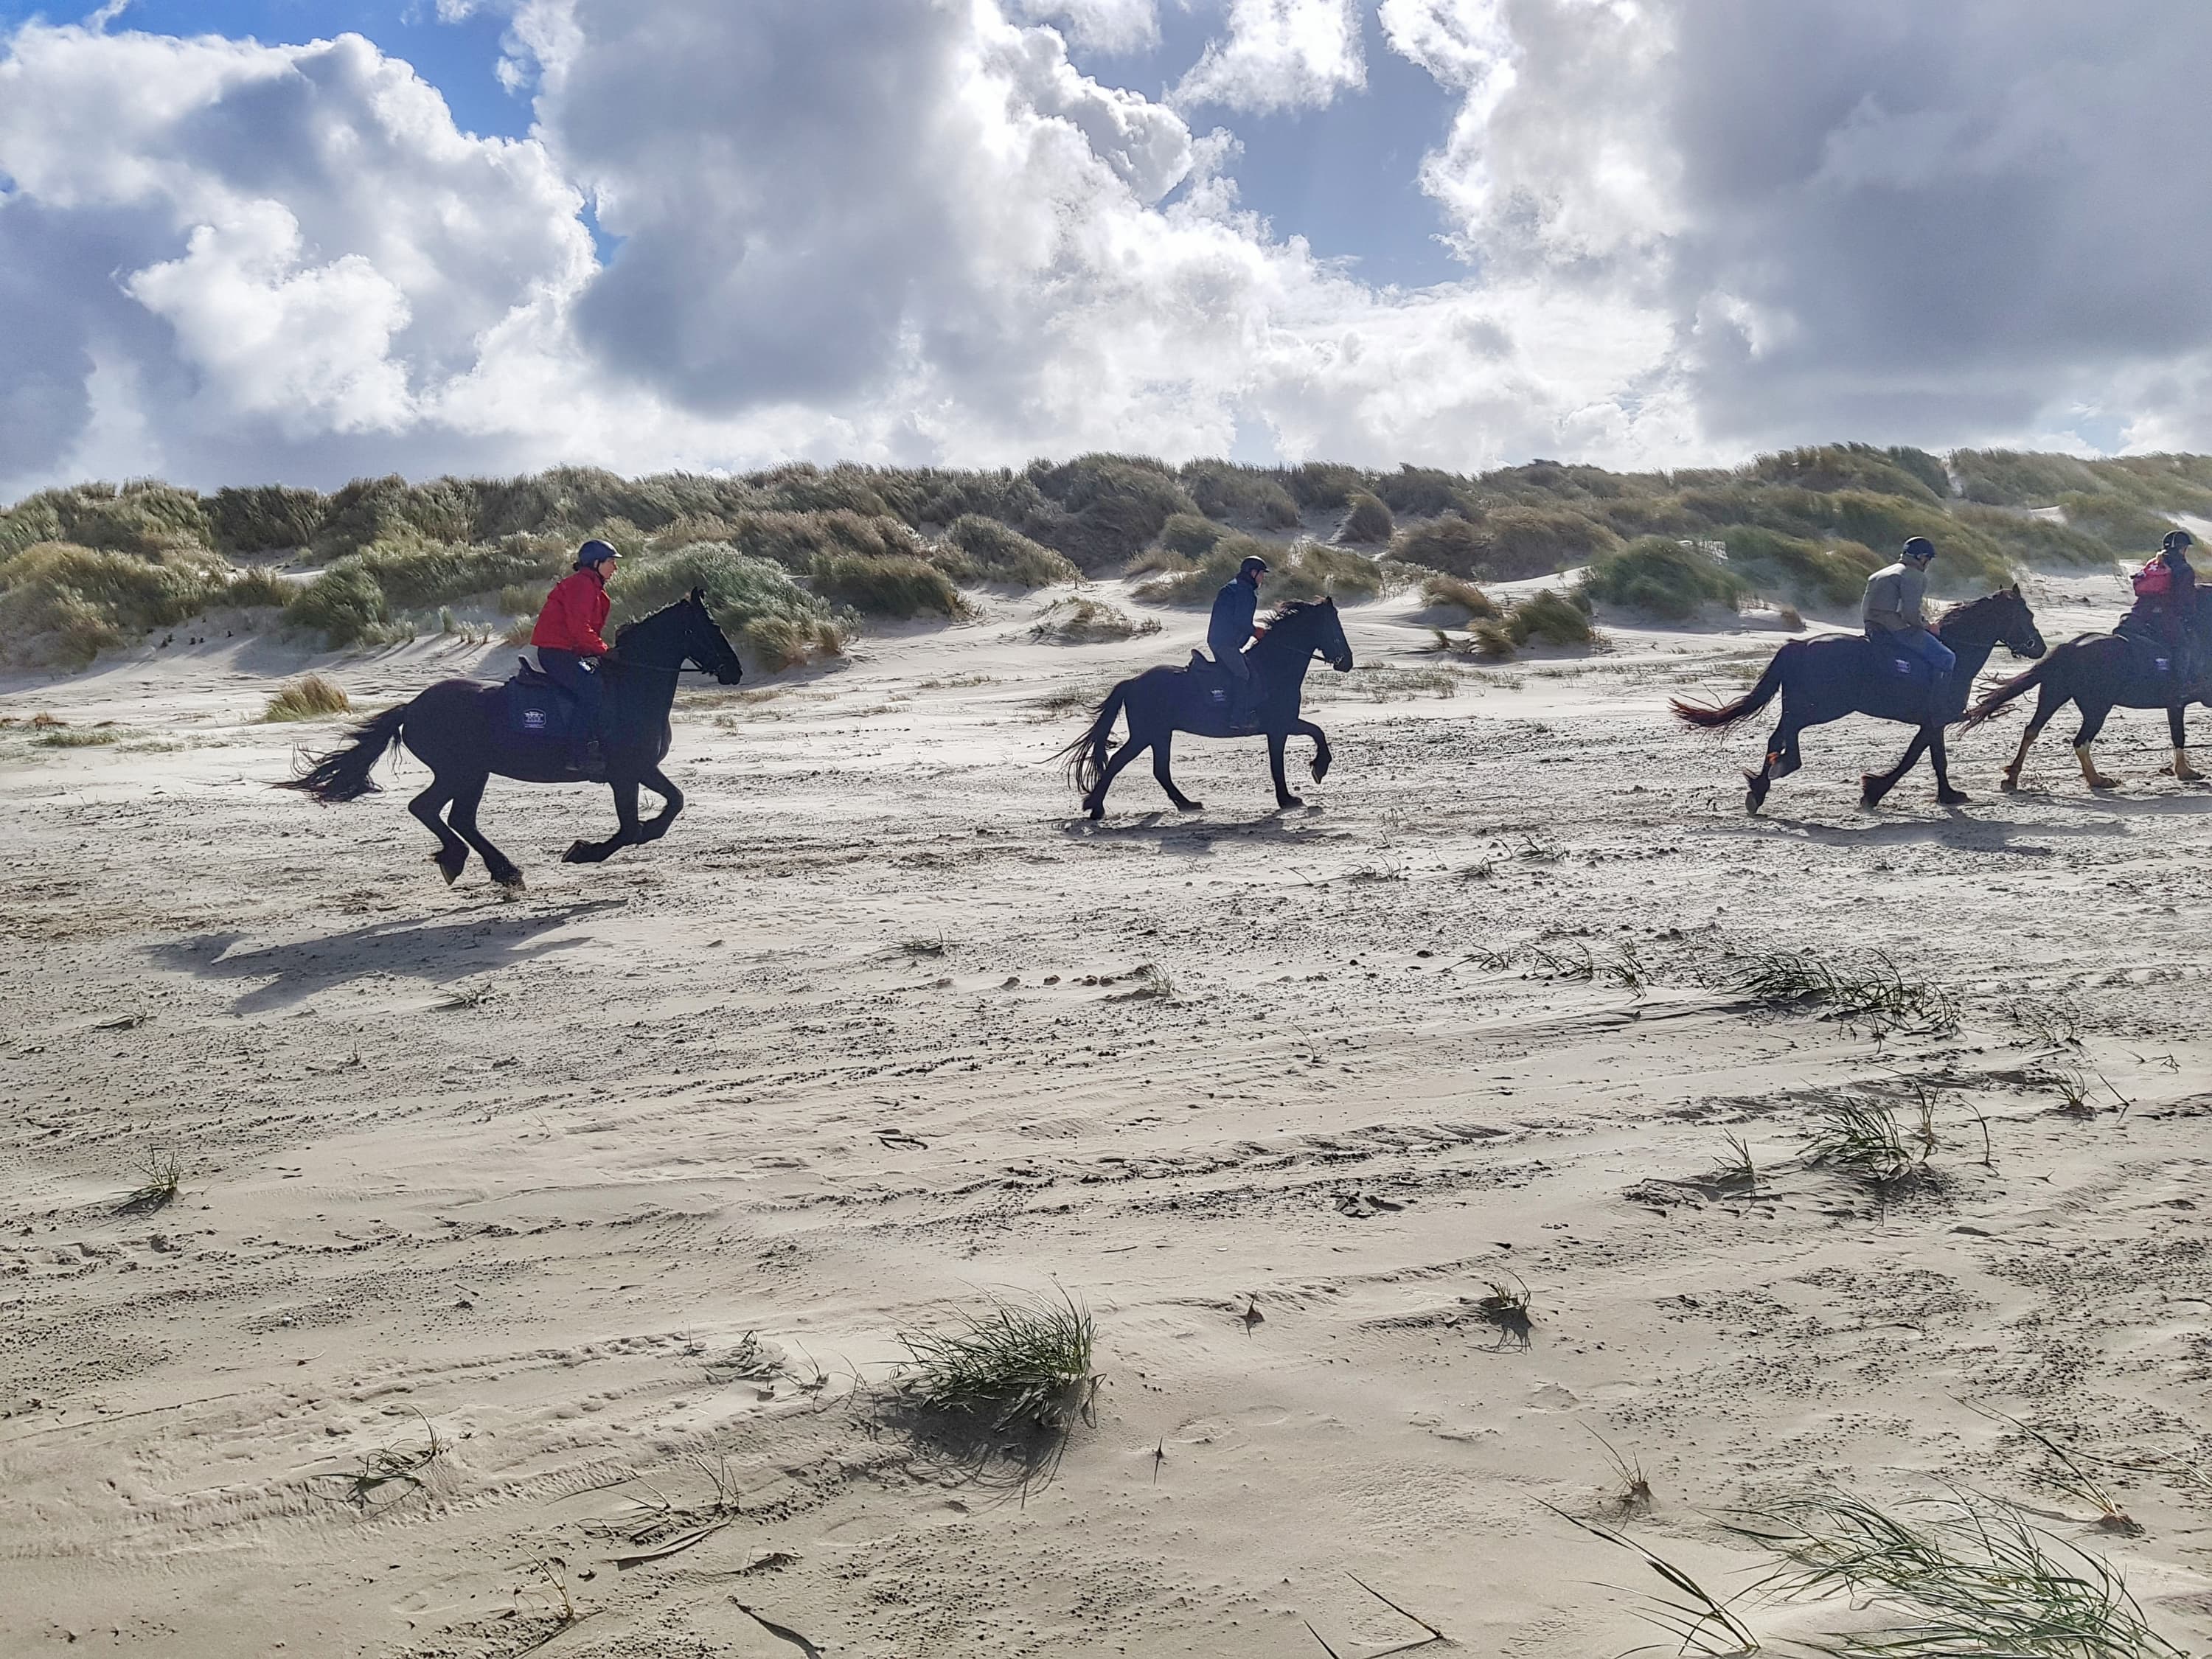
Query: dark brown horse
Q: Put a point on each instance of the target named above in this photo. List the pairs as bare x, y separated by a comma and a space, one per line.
461, 730
1162, 701
2100, 673
1825, 680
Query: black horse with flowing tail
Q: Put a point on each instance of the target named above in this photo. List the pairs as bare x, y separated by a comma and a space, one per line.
463, 732
1162, 701
1825, 680
2100, 673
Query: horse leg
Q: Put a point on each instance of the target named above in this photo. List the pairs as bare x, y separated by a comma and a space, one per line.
1322, 756
2047, 703
1945, 794
1094, 802
1873, 785
2093, 721
1782, 759
2182, 770
453, 855
464, 820
627, 832
671, 803
1283, 795
1161, 746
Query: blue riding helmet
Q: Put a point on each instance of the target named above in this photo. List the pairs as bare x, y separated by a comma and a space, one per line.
1919, 547
595, 552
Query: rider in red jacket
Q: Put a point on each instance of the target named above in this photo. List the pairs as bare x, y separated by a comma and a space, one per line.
569, 645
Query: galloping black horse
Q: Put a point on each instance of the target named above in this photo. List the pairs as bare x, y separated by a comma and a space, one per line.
1825, 680
2098, 673
459, 730
1162, 701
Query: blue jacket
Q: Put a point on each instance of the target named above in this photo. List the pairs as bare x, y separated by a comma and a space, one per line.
1234, 608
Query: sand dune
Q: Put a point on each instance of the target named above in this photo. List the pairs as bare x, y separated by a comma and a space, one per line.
621, 1189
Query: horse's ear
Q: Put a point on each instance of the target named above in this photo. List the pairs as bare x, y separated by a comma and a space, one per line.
2016, 590
698, 596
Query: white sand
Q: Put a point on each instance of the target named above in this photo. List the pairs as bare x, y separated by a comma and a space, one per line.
531, 1171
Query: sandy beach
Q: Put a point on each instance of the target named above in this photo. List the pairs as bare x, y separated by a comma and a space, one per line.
618, 1194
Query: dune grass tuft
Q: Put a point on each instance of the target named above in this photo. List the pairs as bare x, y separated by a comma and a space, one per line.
310, 697
1019, 1361
1866, 990
1864, 1138
162, 1172
1961, 1576
1086, 621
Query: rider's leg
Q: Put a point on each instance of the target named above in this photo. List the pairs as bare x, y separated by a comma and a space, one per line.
578, 676
1244, 685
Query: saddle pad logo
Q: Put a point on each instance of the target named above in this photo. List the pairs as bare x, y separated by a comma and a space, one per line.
533, 719
2164, 665
1902, 665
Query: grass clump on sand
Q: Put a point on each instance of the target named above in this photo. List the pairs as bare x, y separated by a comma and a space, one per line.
1962, 1579
1867, 990
1661, 577
1863, 1139
1018, 1361
310, 697
1833, 574
1366, 519
97, 738
1697, 1621
894, 584
981, 549
345, 604
775, 622
163, 1178
1446, 593
1545, 617
1088, 622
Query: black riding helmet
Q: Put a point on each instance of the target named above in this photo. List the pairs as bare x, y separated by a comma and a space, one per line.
1919, 547
2178, 541
1253, 565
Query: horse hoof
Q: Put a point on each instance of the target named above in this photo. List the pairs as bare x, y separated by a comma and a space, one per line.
2010, 786
510, 885
1952, 798
450, 868
1319, 769
1871, 790
1095, 813
579, 853
1190, 806
1289, 800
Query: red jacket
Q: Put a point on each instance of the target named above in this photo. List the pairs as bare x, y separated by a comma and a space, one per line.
575, 611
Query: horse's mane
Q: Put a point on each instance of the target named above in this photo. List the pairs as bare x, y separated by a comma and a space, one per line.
1964, 606
629, 628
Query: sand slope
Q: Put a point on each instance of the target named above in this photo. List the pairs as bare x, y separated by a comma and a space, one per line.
623, 1188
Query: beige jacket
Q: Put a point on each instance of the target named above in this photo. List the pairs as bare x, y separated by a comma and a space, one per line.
1893, 594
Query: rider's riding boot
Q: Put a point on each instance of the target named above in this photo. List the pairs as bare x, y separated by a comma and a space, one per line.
595, 759
1939, 695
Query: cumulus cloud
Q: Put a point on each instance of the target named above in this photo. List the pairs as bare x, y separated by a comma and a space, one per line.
919, 230
1279, 55
273, 247
1112, 25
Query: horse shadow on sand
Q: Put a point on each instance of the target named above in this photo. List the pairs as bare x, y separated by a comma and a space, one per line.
1174, 832
435, 949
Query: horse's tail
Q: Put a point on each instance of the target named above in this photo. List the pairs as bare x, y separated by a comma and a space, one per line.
343, 774
1713, 716
2003, 693
1086, 756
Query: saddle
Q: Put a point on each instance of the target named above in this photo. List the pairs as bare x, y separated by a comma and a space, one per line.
1217, 693
537, 708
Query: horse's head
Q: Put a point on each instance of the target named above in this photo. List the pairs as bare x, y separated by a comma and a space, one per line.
705, 643
2016, 629
1316, 625
2000, 618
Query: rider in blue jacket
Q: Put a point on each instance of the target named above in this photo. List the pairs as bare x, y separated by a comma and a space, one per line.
1229, 630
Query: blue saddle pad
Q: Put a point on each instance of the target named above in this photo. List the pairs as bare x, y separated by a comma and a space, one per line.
536, 708
1901, 667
